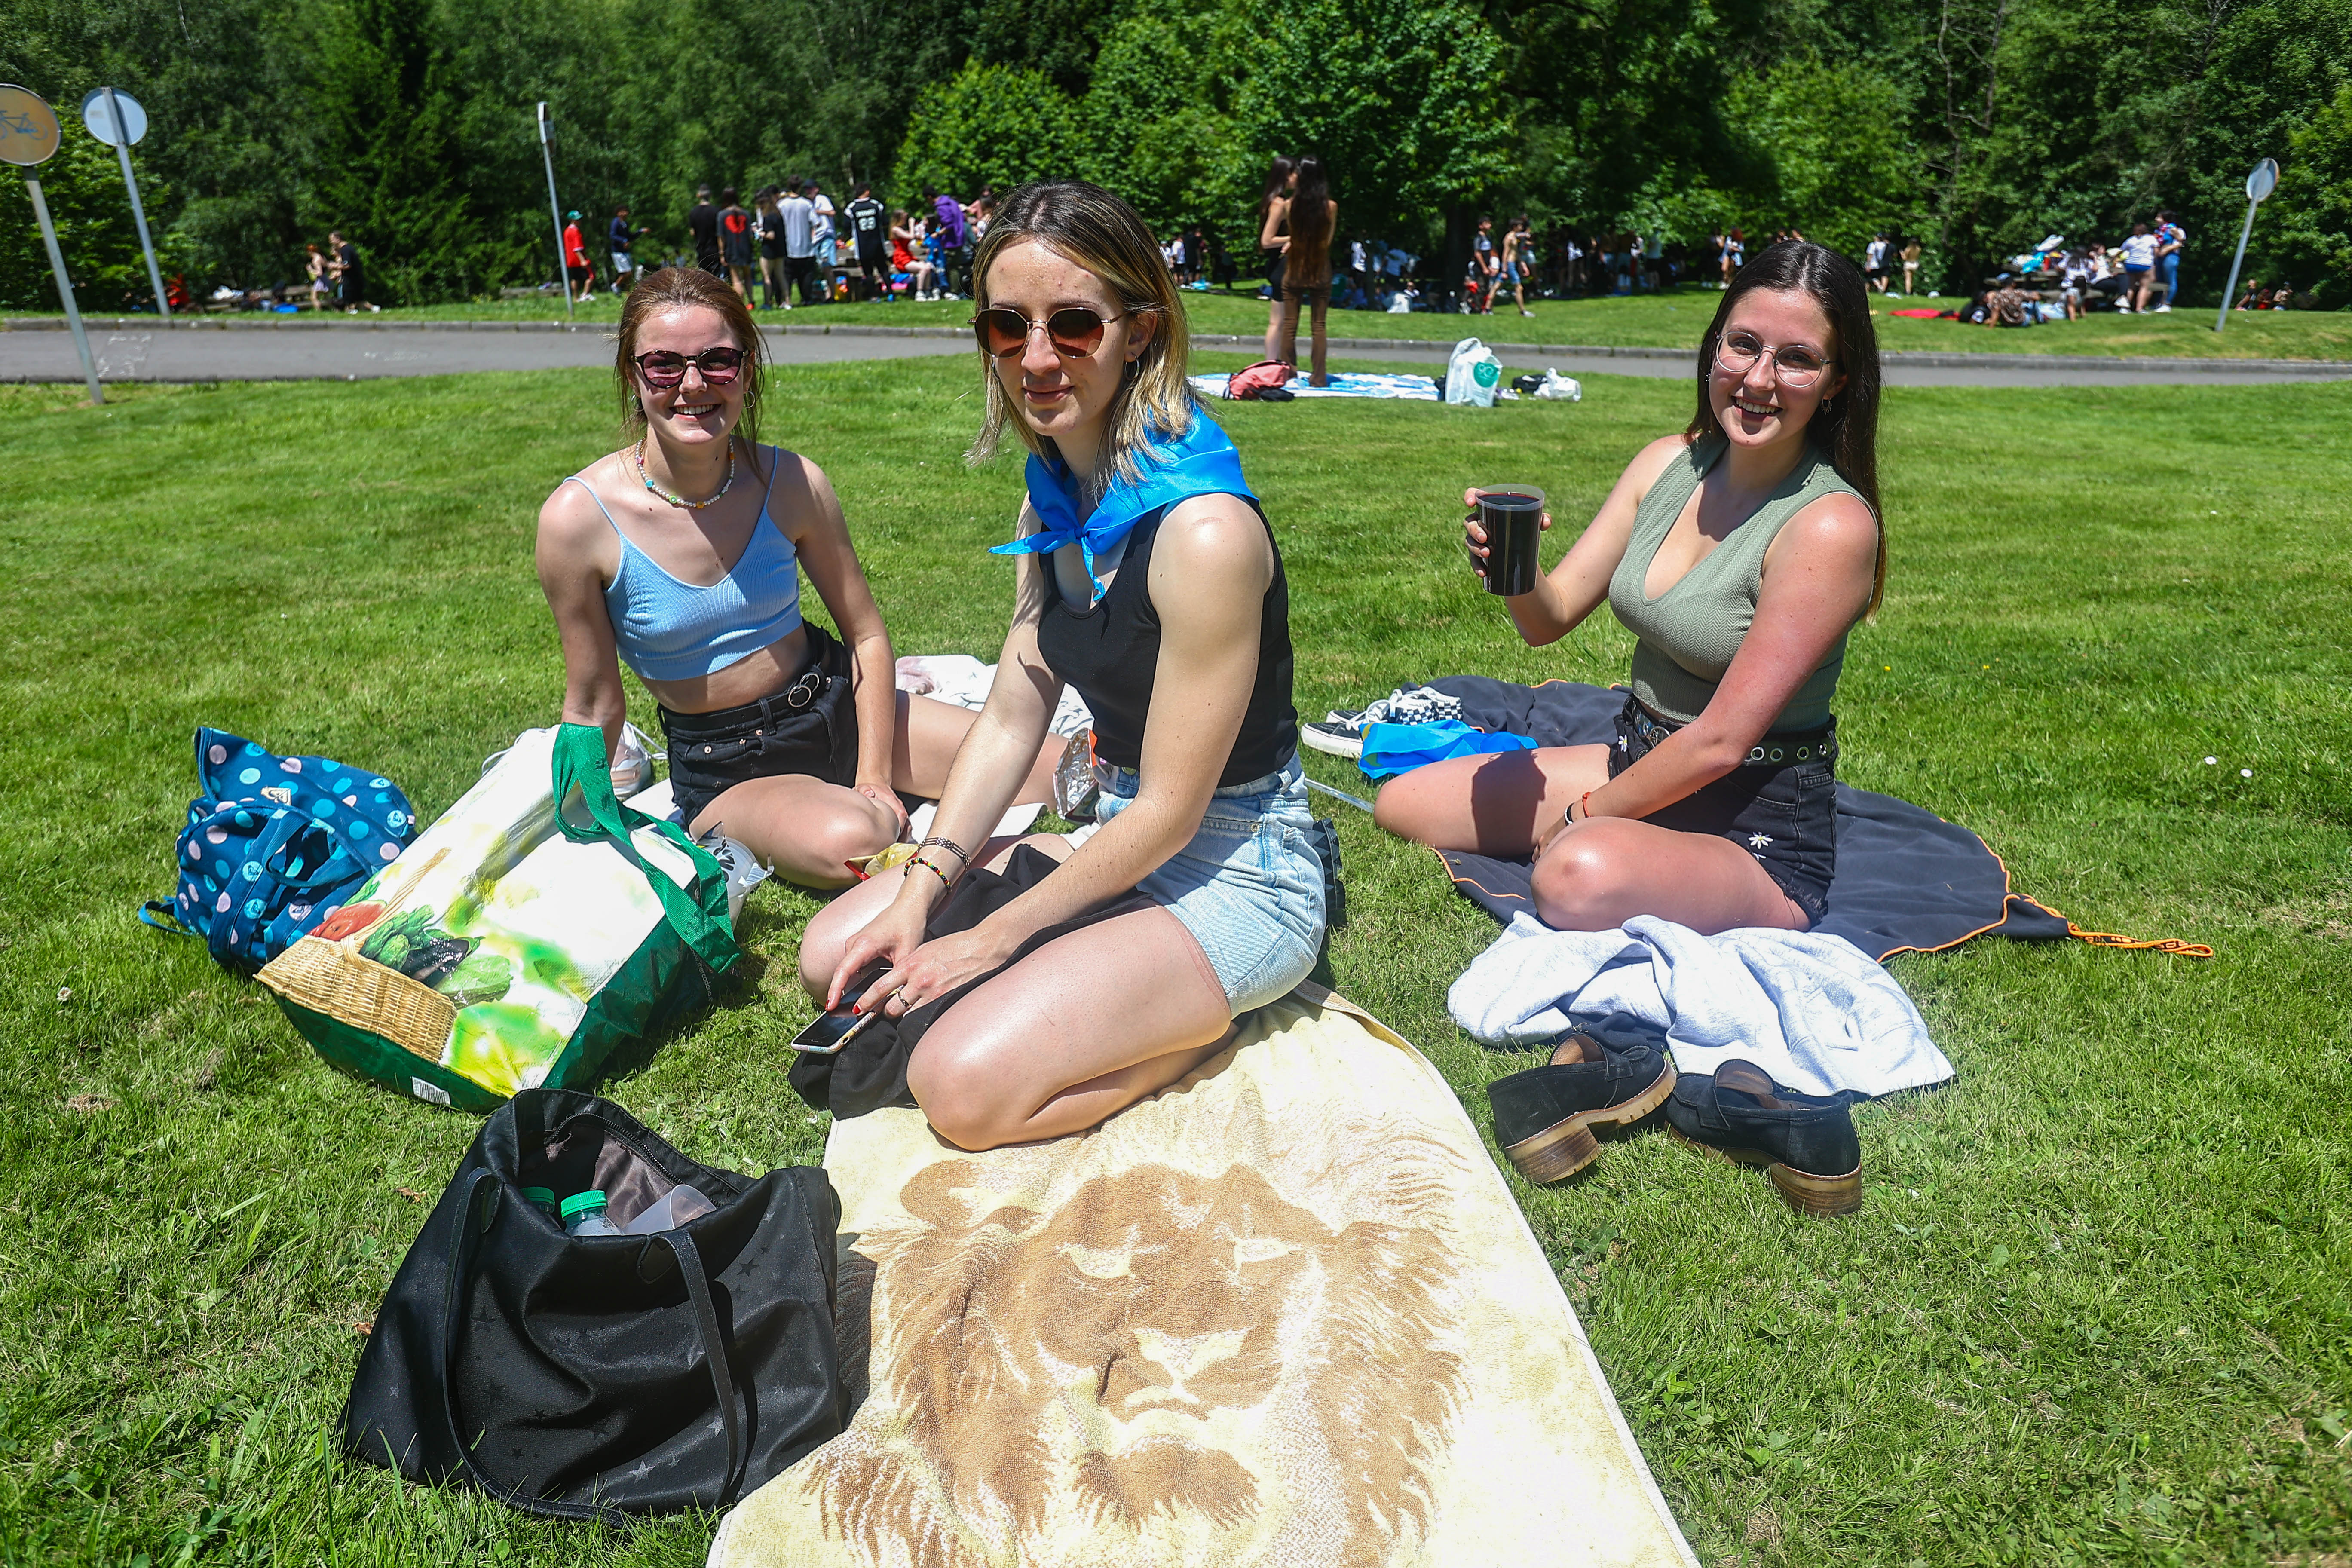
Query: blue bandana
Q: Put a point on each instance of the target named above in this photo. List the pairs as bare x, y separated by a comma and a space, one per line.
1203, 463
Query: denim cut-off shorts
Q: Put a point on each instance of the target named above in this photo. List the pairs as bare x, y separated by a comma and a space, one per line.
1249, 886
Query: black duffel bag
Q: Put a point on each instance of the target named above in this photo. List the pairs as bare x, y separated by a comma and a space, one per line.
589, 1376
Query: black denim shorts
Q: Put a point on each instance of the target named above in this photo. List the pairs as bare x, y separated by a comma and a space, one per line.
808, 728
1781, 806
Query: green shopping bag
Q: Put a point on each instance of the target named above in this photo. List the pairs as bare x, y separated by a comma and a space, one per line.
536, 929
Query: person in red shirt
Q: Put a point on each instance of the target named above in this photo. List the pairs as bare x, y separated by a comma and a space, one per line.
579, 272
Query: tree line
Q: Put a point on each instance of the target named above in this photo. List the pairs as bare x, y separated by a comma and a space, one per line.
1978, 126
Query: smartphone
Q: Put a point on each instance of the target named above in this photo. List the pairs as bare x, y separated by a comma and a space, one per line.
831, 1031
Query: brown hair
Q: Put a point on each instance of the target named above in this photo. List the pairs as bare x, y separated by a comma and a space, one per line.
669, 289
1102, 234
1848, 434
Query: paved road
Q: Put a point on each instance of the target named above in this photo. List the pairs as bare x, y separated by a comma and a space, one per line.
360, 351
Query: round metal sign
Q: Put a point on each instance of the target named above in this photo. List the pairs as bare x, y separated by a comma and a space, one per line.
28, 127
101, 124
2263, 181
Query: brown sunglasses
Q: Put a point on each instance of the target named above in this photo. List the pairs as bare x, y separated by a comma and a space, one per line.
664, 369
1074, 330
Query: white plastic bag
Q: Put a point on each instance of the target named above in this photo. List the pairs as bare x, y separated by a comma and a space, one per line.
1560, 388
1472, 373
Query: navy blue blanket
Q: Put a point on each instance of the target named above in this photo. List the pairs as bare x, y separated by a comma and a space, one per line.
1907, 881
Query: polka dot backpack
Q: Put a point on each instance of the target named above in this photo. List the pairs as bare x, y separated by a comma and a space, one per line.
273, 845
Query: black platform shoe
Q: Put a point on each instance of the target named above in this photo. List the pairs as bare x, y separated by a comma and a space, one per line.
1806, 1144
1544, 1117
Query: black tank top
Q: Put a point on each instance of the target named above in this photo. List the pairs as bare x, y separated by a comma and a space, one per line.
1110, 654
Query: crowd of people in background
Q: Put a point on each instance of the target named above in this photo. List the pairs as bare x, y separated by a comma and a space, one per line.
2056, 281
792, 245
794, 240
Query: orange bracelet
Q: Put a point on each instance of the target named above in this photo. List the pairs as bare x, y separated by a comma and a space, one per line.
1586, 801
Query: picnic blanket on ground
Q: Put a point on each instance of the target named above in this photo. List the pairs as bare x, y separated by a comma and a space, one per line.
1906, 881
1418, 387
1807, 1008
1284, 1313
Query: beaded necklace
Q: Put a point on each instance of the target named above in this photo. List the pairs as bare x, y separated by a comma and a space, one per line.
672, 496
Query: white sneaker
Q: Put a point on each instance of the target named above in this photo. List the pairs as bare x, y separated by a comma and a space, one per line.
2160, 309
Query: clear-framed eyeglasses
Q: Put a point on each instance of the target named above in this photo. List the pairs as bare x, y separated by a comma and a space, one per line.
1797, 366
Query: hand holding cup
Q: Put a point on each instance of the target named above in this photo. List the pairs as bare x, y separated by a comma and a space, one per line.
1502, 535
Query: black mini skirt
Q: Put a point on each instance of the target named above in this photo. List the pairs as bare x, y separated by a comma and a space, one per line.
1781, 804
809, 726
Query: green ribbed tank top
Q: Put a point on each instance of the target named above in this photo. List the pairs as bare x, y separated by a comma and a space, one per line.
1689, 633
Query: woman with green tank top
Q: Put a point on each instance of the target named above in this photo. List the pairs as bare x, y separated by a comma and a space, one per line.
1740, 552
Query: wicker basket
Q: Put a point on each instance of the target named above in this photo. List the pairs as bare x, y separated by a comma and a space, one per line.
330, 978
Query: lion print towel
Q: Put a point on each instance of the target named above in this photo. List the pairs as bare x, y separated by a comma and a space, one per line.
1282, 1313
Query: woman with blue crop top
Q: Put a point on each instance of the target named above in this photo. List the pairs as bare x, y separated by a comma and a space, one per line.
1740, 551
680, 556
1146, 578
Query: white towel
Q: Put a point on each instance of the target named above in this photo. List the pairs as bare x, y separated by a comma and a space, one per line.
959, 678
1808, 1009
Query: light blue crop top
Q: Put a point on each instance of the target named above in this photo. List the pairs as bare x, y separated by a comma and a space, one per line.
669, 630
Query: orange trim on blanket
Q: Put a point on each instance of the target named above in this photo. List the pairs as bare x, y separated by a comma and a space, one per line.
2171, 944
1517, 897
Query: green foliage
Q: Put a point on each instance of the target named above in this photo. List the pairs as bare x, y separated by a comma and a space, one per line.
2306, 228
1977, 125
82, 186
995, 125
1827, 152
1156, 124
1403, 99
393, 157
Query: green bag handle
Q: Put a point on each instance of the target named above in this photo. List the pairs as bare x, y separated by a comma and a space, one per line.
699, 916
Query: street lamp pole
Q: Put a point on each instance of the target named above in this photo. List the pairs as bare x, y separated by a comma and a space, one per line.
555, 207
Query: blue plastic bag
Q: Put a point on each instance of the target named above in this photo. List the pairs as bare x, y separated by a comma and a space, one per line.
1391, 749
273, 845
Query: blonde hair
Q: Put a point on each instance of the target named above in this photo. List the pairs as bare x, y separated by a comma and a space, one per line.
1094, 228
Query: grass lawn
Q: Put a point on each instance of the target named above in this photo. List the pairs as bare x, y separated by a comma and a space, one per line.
2097, 1307
1672, 320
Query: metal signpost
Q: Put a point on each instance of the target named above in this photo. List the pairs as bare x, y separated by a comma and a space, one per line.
2259, 184
28, 137
555, 207
116, 119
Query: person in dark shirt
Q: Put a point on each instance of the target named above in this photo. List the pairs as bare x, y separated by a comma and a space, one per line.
351, 283
736, 243
870, 226
620, 239
768, 220
702, 223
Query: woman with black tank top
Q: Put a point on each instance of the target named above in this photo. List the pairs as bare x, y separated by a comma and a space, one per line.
1147, 579
1740, 551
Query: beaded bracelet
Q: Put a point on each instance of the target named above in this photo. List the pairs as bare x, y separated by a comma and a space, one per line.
950, 846
934, 870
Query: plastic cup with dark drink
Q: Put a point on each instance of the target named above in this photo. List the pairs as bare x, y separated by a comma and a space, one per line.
1511, 516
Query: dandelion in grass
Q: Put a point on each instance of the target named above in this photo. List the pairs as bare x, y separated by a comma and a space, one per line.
2213, 761
2245, 773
